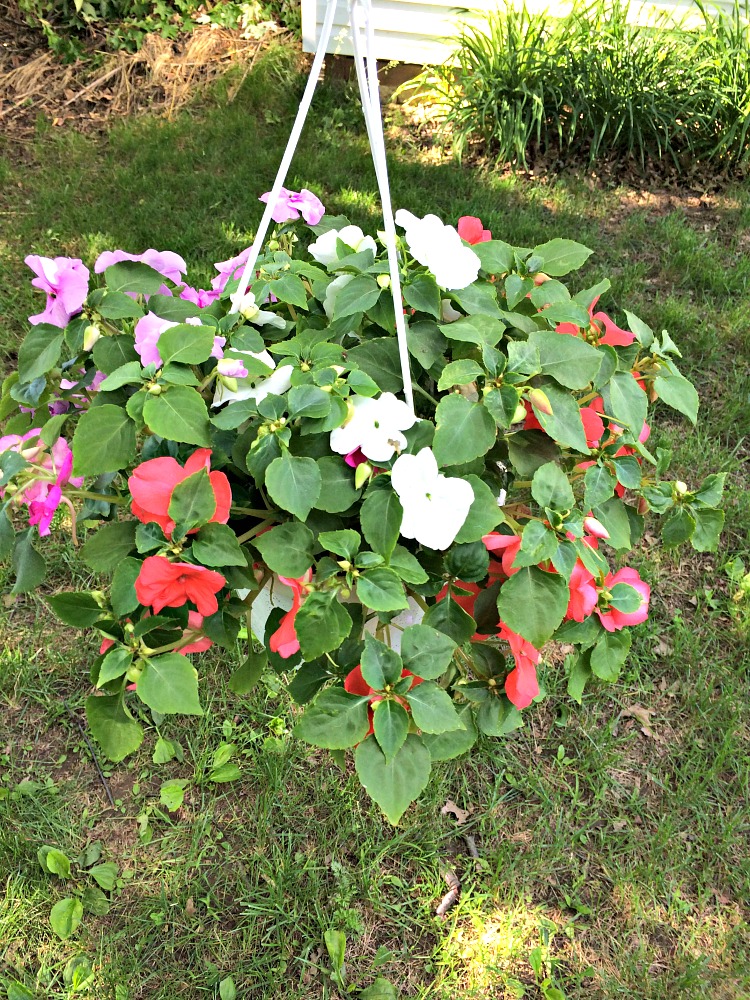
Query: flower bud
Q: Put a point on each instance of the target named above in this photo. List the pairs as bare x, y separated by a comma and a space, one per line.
384, 280
154, 390
540, 278
91, 334
361, 474
540, 401
230, 383
643, 506
246, 306
344, 564
681, 487
339, 369
595, 527
133, 673
520, 414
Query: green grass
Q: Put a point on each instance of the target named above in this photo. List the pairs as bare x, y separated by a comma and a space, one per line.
619, 849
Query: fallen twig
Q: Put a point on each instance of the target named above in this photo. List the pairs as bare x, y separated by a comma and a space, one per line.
452, 896
95, 759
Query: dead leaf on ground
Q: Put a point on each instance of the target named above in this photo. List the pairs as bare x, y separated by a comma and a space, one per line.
450, 808
643, 716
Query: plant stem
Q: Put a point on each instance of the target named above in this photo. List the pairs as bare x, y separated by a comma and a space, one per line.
256, 530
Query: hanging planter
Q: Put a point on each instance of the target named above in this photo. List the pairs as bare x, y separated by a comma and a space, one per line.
404, 464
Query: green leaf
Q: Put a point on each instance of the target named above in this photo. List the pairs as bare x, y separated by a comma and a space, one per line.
294, 483
449, 617
426, 652
382, 590
559, 257
533, 603
478, 298
678, 527
114, 729
459, 373
344, 543
609, 654
130, 373
77, 609
407, 566
538, 543
498, 717
625, 401
105, 875
11, 464
308, 401
245, 677
502, 404
117, 305
54, 861
65, 916
287, 549
337, 492
122, 591
614, 517
468, 562
359, 295
172, 794
104, 441
477, 329
288, 287
380, 664
496, 257
192, 503
446, 746
569, 360
380, 516
484, 514
169, 685
114, 665
423, 294
708, 525
564, 425
580, 674
393, 784
178, 414
217, 545
321, 624
550, 487
336, 720
381, 989
426, 343
15, 991
224, 773
186, 344
465, 431
676, 391
711, 490
94, 901
227, 989
599, 485
432, 708
39, 352
336, 947
379, 359
111, 353
29, 567
391, 725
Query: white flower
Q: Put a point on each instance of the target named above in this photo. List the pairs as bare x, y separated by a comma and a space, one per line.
248, 308
254, 386
374, 426
332, 292
448, 313
439, 248
324, 248
435, 506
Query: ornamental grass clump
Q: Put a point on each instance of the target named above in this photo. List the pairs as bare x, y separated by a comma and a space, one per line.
249, 459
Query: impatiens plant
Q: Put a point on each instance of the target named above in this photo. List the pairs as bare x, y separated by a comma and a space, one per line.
247, 458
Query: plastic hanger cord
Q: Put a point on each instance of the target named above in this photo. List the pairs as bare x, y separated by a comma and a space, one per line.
360, 12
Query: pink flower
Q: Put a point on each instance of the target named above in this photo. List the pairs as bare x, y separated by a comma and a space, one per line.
508, 545
202, 642
229, 269
612, 619
231, 368
521, 685
218, 349
164, 584
290, 204
148, 329
594, 527
583, 593
199, 296
471, 230
43, 495
66, 282
355, 458
284, 641
166, 262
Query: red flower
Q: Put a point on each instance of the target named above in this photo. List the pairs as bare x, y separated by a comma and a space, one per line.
284, 641
152, 484
164, 584
583, 593
521, 685
613, 335
508, 545
612, 619
470, 228
200, 644
356, 684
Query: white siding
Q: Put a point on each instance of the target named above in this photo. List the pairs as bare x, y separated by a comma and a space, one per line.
424, 31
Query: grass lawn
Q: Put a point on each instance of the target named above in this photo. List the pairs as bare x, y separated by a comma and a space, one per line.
612, 837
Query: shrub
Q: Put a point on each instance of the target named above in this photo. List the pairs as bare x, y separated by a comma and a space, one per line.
594, 84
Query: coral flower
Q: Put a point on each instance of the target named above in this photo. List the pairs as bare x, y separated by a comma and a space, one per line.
284, 641
152, 484
164, 584
356, 684
521, 685
583, 593
613, 335
471, 230
508, 545
611, 618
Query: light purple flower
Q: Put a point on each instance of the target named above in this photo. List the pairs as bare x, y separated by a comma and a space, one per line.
148, 329
218, 348
43, 496
66, 282
229, 269
166, 262
199, 296
231, 368
290, 204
